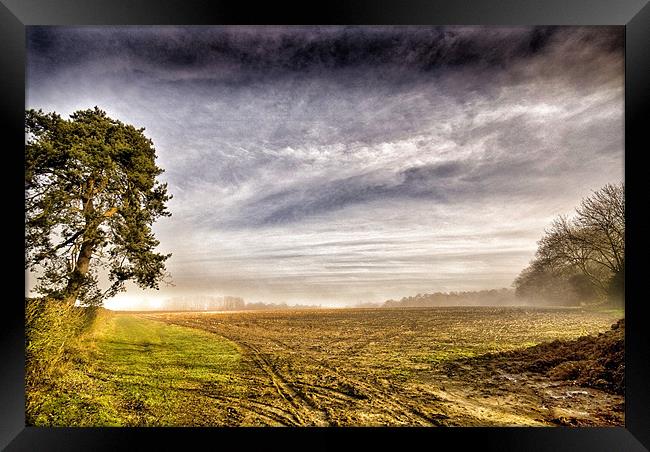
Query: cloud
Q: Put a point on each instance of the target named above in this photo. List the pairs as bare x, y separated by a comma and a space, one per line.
352, 163
296, 203
240, 56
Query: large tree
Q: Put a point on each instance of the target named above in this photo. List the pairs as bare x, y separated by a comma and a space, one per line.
589, 247
91, 197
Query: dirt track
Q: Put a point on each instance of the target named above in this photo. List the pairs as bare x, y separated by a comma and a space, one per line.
401, 367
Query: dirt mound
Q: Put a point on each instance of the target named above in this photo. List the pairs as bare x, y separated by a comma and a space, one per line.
591, 361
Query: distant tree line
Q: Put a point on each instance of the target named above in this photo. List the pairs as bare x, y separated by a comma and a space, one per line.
221, 303
493, 297
581, 259
263, 306
204, 303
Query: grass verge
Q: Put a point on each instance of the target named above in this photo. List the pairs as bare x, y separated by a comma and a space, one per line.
130, 371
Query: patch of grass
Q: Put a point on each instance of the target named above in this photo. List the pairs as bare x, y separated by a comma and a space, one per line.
450, 352
615, 312
447, 354
135, 372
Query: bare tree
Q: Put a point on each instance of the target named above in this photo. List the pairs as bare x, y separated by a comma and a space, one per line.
591, 244
601, 220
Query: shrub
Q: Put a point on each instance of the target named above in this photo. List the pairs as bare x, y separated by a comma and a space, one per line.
51, 330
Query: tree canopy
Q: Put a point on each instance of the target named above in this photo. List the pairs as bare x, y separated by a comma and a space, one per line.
582, 257
91, 197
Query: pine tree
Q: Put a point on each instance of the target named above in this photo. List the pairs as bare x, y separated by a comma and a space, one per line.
91, 197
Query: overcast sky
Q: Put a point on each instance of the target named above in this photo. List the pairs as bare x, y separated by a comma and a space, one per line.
334, 165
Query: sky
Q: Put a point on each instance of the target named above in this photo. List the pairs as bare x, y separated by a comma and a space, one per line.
339, 165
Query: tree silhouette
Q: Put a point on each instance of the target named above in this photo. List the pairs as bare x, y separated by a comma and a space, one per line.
589, 246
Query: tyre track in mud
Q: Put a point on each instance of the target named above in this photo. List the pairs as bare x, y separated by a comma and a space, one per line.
286, 390
303, 411
296, 397
399, 408
264, 410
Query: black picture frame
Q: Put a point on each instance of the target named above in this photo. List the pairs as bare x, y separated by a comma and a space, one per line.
633, 14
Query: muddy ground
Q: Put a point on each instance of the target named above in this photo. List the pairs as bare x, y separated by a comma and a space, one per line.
415, 367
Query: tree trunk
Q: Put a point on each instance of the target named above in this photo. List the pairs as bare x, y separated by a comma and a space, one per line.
85, 253
79, 273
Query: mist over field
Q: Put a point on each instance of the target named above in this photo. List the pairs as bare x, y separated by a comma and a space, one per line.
347, 165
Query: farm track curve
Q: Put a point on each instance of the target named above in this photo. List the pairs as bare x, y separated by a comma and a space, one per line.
300, 395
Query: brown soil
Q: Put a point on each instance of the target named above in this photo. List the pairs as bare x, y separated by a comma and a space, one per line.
590, 361
431, 366
570, 378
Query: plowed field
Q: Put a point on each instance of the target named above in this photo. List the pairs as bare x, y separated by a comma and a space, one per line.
416, 367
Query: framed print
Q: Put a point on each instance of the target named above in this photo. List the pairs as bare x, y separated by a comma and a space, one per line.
362, 222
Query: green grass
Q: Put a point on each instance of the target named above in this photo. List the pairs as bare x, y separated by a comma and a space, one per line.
617, 312
470, 350
131, 371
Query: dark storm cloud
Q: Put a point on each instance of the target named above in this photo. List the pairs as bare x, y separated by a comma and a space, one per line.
243, 54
